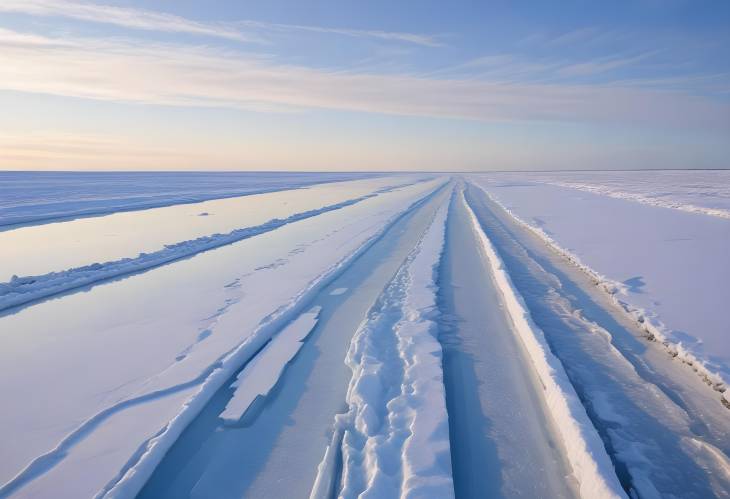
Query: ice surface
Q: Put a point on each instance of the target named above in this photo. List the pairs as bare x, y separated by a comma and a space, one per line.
262, 372
645, 406
394, 438
39, 197
667, 268
151, 237
275, 450
591, 465
178, 329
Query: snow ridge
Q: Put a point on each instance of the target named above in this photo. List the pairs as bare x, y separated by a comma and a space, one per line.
22, 290
394, 439
653, 327
591, 465
131, 480
639, 198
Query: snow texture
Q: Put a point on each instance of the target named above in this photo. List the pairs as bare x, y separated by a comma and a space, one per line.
394, 439
155, 349
21, 290
666, 269
135, 477
696, 191
591, 465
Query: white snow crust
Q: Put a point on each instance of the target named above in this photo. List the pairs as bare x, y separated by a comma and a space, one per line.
394, 439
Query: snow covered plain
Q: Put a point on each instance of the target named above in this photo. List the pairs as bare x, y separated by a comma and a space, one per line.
41, 197
659, 242
391, 336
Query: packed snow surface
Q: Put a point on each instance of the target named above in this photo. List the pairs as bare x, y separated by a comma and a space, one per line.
667, 267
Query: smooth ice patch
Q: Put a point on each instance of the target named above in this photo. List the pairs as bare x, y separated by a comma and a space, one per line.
262, 373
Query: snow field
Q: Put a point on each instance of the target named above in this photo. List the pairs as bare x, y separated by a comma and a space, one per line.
591, 465
394, 439
42, 197
708, 364
92, 249
134, 479
192, 349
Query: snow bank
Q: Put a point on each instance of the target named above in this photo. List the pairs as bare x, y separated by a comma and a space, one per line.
696, 191
642, 198
647, 320
394, 439
262, 373
22, 290
591, 465
138, 472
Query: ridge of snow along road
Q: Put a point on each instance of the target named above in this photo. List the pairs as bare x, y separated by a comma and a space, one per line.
591, 465
23, 290
647, 321
178, 371
639, 198
394, 439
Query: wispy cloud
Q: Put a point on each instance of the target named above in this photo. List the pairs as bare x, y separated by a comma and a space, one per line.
122, 16
143, 19
424, 40
184, 75
602, 65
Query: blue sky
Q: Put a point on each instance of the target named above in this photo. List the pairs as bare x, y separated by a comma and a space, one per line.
346, 85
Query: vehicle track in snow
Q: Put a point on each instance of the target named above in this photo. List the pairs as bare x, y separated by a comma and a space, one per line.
503, 441
275, 451
661, 425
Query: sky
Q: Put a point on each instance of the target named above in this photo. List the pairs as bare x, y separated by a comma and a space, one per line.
364, 85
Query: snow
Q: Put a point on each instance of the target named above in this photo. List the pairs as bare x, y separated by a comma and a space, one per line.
394, 438
197, 349
591, 465
275, 450
697, 191
40, 197
157, 231
645, 406
261, 374
665, 268
167, 338
499, 423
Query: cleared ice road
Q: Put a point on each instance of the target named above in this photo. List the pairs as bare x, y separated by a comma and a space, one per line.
502, 442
